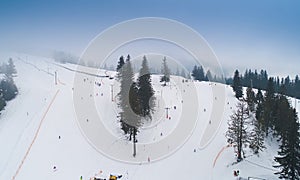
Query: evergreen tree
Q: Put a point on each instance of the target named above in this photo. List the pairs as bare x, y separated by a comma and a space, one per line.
129, 103
195, 73
237, 128
297, 87
165, 71
198, 73
11, 69
250, 99
236, 85
8, 88
259, 97
269, 106
2, 102
134, 114
145, 89
121, 62
208, 76
257, 137
289, 154
281, 112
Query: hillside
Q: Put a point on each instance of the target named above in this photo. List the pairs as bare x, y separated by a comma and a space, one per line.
72, 125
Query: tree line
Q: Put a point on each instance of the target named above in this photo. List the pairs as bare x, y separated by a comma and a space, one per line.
259, 80
8, 89
199, 74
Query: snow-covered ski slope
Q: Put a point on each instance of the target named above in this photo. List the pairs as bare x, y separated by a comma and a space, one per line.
41, 129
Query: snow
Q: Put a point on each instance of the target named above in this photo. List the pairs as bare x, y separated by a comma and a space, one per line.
190, 144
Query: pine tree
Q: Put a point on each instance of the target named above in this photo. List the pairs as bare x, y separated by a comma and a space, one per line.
8, 88
259, 97
250, 99
198, 73
11, 69
145, 89
121, 62
208, 76
257, 137
195, 73
237, 131
129, 103
281, 112
289, 154
2, 102
165, 71
236, 85
269, 106
134, 114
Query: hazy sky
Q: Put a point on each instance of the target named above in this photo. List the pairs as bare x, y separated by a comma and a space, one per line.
243, 33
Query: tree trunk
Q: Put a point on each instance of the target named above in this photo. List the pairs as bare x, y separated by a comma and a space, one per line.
239, 158
134, 142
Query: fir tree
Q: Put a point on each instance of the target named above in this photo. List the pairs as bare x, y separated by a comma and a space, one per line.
11, 69
129, 103
250, 99
2, 102
165, 71
121, 62
257, 137
198, 73
237, 132
195, 73
208, 76
289, 154
145, 89
236, 85
269, 106
259, 97
8, 88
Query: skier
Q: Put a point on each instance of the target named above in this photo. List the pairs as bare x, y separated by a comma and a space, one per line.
80, 177
235, 173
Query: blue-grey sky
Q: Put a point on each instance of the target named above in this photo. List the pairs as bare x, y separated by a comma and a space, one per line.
249, 33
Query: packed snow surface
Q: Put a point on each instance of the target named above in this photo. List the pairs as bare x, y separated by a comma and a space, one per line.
43, 137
